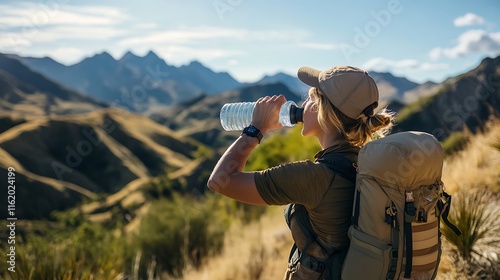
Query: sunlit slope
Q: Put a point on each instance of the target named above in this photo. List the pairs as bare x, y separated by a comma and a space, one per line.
97, 153
466, 101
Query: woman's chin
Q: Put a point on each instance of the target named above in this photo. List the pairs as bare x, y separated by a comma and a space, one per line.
305, 132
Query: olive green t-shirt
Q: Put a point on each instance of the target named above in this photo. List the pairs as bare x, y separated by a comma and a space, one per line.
327, 197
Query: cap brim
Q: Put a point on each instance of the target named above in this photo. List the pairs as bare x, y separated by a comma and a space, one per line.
309, 76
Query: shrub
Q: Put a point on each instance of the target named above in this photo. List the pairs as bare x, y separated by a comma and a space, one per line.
282, 148
496, 143
477, 214
178, 233
90, 252
454, 142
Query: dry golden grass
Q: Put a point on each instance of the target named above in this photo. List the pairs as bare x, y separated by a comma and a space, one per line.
263, 246
258, 250
478, 165
475, 168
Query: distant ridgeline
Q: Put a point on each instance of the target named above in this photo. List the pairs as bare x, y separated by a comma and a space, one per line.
467, 101
133, 82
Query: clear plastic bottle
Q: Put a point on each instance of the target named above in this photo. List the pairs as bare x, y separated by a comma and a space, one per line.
236, 116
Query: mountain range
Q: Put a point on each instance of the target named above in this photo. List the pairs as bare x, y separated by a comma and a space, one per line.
133, 82
142, 83
466, 101
25, 92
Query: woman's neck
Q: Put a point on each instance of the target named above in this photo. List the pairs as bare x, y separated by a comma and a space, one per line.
329, 139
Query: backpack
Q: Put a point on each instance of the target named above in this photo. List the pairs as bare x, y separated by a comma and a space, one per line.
398, 201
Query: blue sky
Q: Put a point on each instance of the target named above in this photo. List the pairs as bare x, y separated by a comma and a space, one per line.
421, 40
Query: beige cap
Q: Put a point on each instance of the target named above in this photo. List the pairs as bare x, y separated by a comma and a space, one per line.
350, 89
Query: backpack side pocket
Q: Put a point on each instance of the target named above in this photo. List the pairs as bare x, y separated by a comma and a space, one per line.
366, 256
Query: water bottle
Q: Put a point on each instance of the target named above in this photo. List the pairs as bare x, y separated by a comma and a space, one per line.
236, 116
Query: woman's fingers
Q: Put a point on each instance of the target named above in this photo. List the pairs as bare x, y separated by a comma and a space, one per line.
266, 113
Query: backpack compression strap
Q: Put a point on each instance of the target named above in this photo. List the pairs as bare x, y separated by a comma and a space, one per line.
410, 212
444, 208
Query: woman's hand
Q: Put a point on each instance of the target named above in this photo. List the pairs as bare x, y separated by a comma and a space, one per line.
266, 113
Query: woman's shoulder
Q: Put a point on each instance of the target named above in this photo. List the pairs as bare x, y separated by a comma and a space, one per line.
304, 168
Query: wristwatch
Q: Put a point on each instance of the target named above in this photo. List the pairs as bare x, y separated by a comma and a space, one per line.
252, 131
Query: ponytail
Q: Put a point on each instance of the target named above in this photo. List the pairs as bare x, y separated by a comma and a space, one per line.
364, 128
358, 132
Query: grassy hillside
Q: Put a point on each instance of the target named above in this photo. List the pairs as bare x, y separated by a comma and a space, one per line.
28, 93
65, 159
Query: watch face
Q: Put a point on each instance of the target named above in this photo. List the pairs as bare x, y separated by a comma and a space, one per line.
252, 130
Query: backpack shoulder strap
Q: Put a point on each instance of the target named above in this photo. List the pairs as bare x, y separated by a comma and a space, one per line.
341, 165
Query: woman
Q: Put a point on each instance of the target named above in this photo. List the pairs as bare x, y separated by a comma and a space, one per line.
339, 112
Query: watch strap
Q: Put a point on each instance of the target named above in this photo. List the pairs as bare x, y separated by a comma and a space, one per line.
252, 131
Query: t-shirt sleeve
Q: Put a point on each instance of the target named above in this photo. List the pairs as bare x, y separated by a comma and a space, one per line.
302, 182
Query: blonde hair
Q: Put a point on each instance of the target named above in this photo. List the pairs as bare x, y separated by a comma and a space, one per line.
356, 131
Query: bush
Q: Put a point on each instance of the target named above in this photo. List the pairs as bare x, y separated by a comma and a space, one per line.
477, 214
159, 187
282, 148
90, 252
175, 234
179, 233
454, 142
496, 143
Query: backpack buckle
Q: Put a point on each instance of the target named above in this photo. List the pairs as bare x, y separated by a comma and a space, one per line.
410, 210
422, 216
390, 216
409, 196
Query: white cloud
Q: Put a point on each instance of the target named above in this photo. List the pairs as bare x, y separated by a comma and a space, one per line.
472, 41
469, 19
182, 54
17, 41
233, 62
26, 25
80, 33
183, 45
32, 15
184, 36
207, 43
197, 35
380, 64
